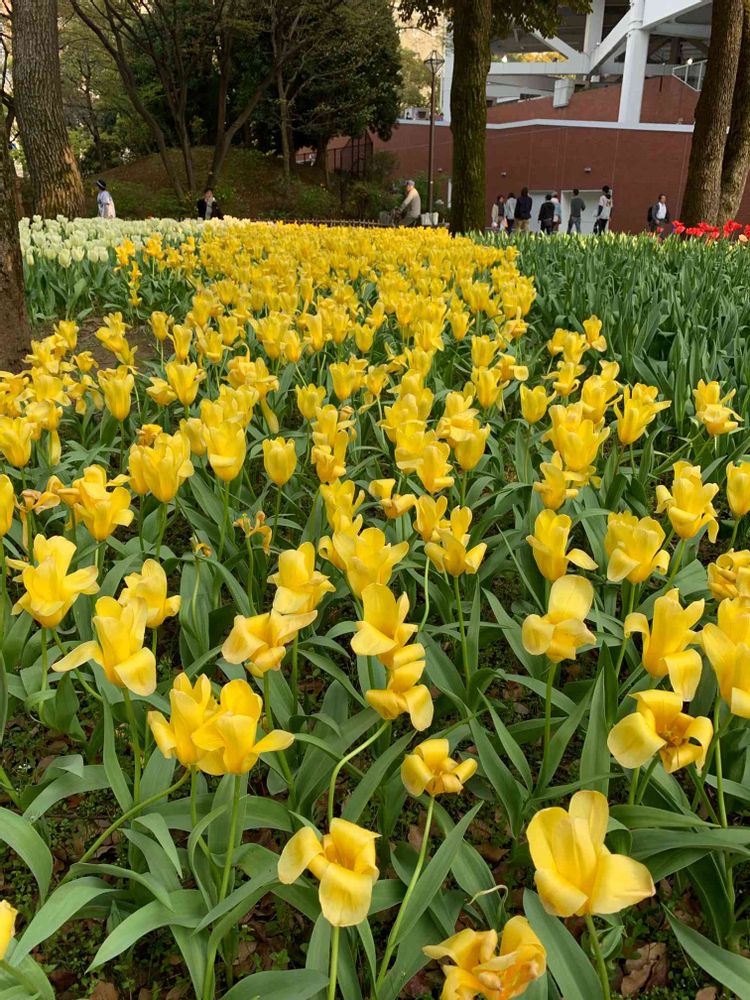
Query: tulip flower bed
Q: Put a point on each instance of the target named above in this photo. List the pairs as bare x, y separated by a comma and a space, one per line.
370, 601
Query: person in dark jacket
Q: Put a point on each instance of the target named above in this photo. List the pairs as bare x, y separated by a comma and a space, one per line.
547, 216
208, 206
658, 215
523, 211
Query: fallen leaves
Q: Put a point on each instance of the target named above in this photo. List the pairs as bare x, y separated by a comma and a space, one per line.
647, 970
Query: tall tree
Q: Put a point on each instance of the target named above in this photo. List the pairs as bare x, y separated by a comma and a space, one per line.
16, 337
56, 184
713, 114
474, 23
736, 163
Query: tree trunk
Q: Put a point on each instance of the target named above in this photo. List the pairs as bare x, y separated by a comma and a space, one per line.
471, 50
284, 127
55, 179
737, 151
713, 114
16, 336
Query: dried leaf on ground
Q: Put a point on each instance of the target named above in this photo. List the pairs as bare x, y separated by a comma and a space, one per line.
647, 970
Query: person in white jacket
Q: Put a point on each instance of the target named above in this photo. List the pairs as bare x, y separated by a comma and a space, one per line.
105, 201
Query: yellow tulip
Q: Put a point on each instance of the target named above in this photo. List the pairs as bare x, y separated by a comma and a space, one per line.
639, 409
226, 447
101, 510
119, 650
228, 736
430, 768
549, 543
659, 724
577, 439
599, 392
488, 385
534, 403
383, 631
341, 500
727, 646
279, 459
150, 585
575, 872
184, 380
344, 863
570, 344
148, 433
450, 553
16, 436
403, 695
665, 642
459, 321
483, 351
633, 547
162, 468
561, 632
161, 392
433, 467
729, 576
479, 969
367, 557
689, 506
565, 377
7, 504
458, 421
393, 506
117, 386
299, 586
309, 399
711, 408
50, 589
260, 641
347, 377
469, 452
429, 516
738, 488
191, 706
554, 488
160, 324
7, 926
330, 462
592, 327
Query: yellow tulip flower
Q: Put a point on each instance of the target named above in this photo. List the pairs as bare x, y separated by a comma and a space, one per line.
459, 321
534, 403
160, 324
367, 557
665, 642
575, 872
150, 585
191, 707
347, 377
228, 736
160, 391
479, 969
119, 650
450, 553
659, 724
16, 436
430, 768
711, 408
100, 509
184, 380
729, 576
483, 351
570, 344
341, 500
403, 695
592, 327
344, 863
488, 385
7, 504
633, 547
727, 646
689, 506
554, 488
7, 926
383, 631
50, 589
599, 392
738, 488
279, 459
458, 421
549, 543
639, 409
299, 586
226, 447
429, 516
561, 632
162, 468
310, 399
393, 506
260, 641
117, 386
564, 378
469, 452
577, 439
330, 462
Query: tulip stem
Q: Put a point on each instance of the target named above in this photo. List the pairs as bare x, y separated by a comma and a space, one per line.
426, 590
719, 767
162, 528
601, 967
633, 785
277, 508
135, 743
462, 630
700, 789
733, 539
285, 769
45, 660
551, 673
628, 611
224, 519
393, 936
343, 762
295, 669
333, 977
678, 554
133, 811
644, 782
250, 575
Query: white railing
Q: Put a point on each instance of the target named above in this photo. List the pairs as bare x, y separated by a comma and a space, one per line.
691, 74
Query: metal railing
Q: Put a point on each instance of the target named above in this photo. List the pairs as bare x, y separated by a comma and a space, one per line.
692, 74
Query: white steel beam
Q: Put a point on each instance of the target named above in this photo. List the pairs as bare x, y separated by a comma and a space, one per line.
612, 43
656, 12
594, 26
634, 68
558, 45
577, 66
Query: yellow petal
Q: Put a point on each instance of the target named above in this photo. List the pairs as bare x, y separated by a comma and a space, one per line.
297, 854
632, 741
344, 896
620, 882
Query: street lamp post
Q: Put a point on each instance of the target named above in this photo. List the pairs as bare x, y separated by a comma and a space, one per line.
434, 62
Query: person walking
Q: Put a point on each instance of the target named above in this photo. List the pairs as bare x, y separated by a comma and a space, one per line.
104, 201
603, 211
522, 214
497, 216
547, 215
557, 220
577, 208
208, 206
658, 215
410, 210
510, 212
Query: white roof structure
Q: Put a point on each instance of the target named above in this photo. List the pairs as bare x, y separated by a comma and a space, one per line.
616, 41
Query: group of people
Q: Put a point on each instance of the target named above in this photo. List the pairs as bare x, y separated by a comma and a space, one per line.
514, 214
207, 206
